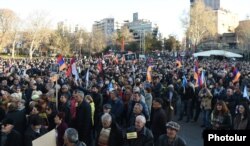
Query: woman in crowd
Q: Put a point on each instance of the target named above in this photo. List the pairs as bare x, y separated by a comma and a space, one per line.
220, 117
61, 126
64, 106
242, 118
89, 99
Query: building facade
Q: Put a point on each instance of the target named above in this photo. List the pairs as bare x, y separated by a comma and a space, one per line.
106, 26
226, 21
139, 27
213, 4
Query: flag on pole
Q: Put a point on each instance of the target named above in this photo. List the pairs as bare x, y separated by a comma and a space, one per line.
69, 71
74, 71
236, 75
87, 78
202, 79
110, 87
149, 76
184, 81
245, 93
60, 61
99, 66
196, 73
133, 68
178, 63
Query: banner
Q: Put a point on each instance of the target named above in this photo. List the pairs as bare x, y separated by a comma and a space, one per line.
48, 139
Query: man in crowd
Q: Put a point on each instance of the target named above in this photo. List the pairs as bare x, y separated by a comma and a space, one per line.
82, 120
171, 138
71, 138
139, 135
9, 136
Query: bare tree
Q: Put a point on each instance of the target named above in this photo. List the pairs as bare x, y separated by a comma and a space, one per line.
15, 35
200, 23
38, 31
128, 36
59, 41
7, 21
98, 41
82, 38
243, 35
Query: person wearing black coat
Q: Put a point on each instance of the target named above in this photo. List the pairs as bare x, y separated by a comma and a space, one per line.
64, 106
158, 119
169, 101
82, 121
98, 103
34, 130
117, 106
18, 117
51, 113
9, 136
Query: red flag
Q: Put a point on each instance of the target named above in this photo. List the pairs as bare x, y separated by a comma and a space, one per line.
99, 66
116, 60
69, 71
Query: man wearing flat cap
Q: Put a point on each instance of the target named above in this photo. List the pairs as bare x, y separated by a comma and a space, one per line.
171, 138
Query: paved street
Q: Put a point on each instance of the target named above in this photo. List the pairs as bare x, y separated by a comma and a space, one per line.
191, 132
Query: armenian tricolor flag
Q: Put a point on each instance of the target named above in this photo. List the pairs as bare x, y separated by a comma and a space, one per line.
60, 61
196, 73
236, 75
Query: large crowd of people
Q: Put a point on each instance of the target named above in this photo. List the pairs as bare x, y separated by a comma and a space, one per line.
111, 102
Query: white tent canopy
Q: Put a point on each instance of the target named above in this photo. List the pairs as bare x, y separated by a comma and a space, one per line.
217, 53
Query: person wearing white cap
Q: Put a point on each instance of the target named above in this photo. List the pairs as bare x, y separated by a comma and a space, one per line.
171, 138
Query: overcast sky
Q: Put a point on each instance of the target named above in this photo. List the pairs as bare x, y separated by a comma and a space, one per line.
165, 13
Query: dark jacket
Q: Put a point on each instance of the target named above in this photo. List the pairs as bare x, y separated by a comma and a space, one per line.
31, 135
51, 121
241, 124
66, 109
117, 109
19, 119
83, 123
159, 119
157, 90
13, 139
115, 137
131, 105
224, 121
163, 141
144, 138
80, 144
98, 105
60, 133
166, 98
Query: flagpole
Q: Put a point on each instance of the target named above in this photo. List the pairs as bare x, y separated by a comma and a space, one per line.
56, 94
